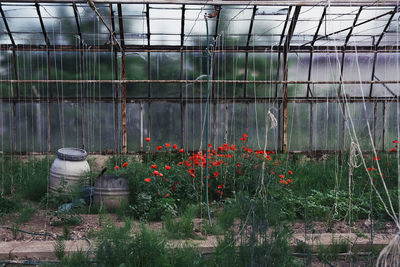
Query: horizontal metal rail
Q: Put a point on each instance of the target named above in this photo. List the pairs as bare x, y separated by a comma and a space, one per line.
202, 81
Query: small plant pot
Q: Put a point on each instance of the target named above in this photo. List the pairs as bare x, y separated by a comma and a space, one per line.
111, 191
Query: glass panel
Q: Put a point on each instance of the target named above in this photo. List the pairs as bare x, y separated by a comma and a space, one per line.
325, 67
298, 129
6, 128
362, 117
387, 69
357, 67
31, 127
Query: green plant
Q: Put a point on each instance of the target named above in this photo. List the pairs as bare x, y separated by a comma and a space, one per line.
59, 248
26, 213
327, 254
75, 259
179, 228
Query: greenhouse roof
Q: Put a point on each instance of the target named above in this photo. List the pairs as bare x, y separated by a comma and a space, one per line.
259, 26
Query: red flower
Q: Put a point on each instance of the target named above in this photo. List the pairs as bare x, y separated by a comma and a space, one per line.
220, 186
159, 148
219, 192
395, 141
268, 157
167, 167
147, 180
181, 150
245, 135
125, 164
192, 175
239, 171
161, 175
369, 169
250, 150
147, 139
290, 172
283, 182
289, 180
242, 139
156, 173
281, 176
376, 158
154, 166
216, 174
191, 171
166, 195
393, 150
174, 146
239, 165
167, 145
209, 145
116, 167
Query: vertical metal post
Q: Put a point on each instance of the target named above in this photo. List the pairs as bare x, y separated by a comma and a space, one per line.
285, 74
374, 133
50, 88
148, 70
116, 87
383, 124
83, 75
181, 78
123, 85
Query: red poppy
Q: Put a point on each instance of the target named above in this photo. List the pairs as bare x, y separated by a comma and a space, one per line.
220, 186
156, 173
219, 192
147, 139
281, 176
181, 150
289, 180
290, 172
369, 169
250, 150
209, 145
239, 171
166, 195
216, 174
376, 158
192, 175
167, 145
147, 180
154, 166
125, 164
167, 167
239, 165
393, 150
174, 146
245, 135
191, 171
159, 148
116, 167
161, 175
242, 139
268, 157
395, 141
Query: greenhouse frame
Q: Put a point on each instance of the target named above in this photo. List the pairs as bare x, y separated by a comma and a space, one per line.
312, 64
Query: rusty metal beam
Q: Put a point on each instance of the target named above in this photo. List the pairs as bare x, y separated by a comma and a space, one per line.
280, 44
83, 73
190, 49
183, 25
285, 74
7, 27
350, 27
123, 85
376, 45
386, 26
353, 26
376, 81
197, 99
116, 88
46, 39
311, 53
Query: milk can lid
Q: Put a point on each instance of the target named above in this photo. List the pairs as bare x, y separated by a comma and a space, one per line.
71, 153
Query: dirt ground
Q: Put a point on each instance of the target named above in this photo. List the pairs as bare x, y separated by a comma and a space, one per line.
91, 222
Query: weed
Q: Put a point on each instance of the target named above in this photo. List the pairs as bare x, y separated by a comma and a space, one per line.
181, 227
75, 259
26, 213
59, 248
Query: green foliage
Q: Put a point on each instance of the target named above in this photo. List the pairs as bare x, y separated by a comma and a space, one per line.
59, 248
26, 213
179, 228
6, 206
75, 259
330, 253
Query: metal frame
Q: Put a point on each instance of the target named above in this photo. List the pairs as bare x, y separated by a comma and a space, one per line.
283, 49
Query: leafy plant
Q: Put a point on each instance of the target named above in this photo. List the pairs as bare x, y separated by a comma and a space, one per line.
179, 228
59, 248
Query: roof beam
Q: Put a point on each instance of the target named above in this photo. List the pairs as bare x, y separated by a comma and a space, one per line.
46, 39
311, 53
7, 27
78, 26
148, 23
386, 27
352, 28
233, 2
349, 28
183, 25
